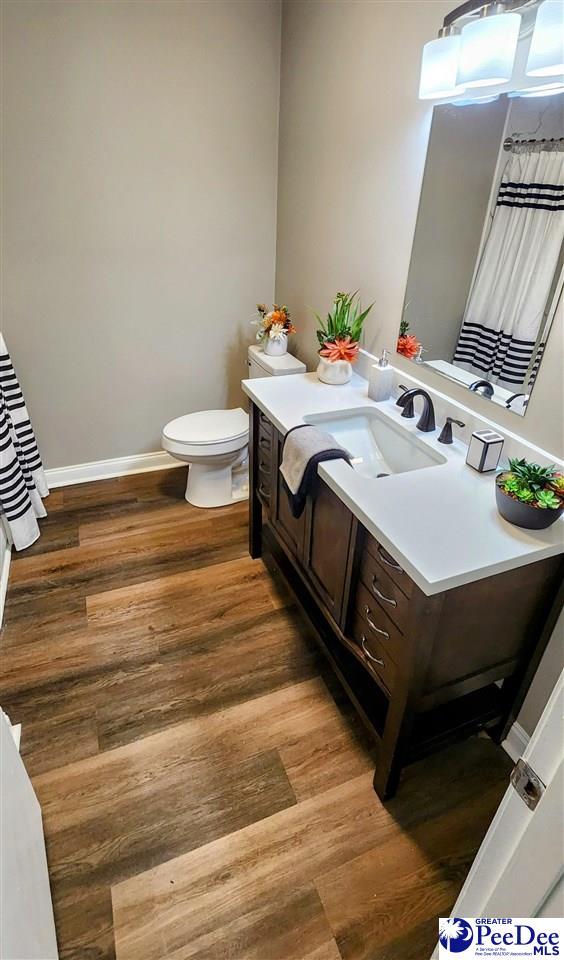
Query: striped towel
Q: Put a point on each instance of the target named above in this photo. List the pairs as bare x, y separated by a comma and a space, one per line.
22, 479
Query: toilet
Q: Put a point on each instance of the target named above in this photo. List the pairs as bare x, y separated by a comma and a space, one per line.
214, 443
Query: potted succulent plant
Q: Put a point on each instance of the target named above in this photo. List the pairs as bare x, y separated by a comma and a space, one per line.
274, 327
408, 344
529, 495
339, 338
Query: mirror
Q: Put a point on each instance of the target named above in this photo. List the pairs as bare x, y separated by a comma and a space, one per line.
486, 272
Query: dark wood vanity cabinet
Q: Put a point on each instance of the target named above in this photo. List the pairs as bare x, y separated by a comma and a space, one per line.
421, 670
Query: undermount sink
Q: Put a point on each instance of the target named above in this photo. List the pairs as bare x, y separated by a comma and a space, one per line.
378, 446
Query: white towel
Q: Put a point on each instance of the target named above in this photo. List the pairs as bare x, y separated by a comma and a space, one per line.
304, 448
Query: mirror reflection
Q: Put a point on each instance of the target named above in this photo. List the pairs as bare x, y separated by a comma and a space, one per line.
486, 272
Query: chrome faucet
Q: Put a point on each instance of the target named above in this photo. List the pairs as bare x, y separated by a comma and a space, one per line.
482, 384
426, 421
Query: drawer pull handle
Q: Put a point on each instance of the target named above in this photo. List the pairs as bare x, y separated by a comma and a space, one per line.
388, 560
369, 654
376, 592
372, 625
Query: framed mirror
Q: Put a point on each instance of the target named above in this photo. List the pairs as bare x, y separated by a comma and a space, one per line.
487, 264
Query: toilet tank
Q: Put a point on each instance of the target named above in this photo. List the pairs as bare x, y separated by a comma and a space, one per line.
261, 365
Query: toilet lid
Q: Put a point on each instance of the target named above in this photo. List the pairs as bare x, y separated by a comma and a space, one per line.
208, 426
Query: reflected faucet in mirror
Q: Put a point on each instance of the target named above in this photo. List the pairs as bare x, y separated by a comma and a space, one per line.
486, 274
483, 386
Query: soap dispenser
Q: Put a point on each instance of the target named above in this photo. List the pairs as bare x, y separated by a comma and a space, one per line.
381, 379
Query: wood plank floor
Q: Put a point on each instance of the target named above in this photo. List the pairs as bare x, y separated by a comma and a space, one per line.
206, 789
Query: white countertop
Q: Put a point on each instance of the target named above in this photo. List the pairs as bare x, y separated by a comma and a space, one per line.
440, 523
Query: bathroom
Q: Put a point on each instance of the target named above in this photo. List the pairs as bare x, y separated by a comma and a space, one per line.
196, 766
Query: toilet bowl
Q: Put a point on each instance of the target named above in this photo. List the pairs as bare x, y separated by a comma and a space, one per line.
214, 443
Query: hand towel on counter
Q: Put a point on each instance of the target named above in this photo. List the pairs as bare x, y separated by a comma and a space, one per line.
22, 479
304, 448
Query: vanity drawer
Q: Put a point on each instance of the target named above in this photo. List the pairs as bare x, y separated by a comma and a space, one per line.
265, 426
264, 450
378, 626
384, 591
391, 566
374, 654
264, 487
265, 460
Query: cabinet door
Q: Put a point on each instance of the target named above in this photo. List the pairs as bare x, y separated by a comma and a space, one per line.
328, 534
288, 528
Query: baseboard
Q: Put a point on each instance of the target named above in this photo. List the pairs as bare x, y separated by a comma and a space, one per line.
517, 742
105, 469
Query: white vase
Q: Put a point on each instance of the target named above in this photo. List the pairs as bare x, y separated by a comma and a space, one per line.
276, 347
334, 371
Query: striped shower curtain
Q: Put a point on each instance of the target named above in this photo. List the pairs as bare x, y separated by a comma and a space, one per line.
508, 298
22, 479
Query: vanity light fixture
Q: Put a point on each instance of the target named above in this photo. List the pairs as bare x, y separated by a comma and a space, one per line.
487, 49
485, 45
439, 66
546, 54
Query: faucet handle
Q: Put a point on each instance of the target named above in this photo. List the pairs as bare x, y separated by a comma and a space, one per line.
446, 433
405, 402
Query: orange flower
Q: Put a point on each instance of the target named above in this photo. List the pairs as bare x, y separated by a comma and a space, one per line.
277, 316
408, 345
343, 348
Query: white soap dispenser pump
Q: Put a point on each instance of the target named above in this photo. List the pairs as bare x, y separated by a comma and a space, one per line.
381, 379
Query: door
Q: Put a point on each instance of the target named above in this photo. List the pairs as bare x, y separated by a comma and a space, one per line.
517, 871
326, 550
290, 529
27, 929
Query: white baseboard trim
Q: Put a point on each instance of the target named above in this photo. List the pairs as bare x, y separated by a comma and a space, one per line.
105, 469
517, 742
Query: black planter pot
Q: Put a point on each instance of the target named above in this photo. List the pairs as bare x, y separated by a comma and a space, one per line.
522, 514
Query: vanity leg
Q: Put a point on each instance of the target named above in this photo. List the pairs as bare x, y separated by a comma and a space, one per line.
391, 755
386, 780
255, 507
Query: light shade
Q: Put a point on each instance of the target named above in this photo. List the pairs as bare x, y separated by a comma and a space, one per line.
546, 54
438, 68
487, 50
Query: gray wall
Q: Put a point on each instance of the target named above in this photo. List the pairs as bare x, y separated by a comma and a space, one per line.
353, 138
461, 162
139, 165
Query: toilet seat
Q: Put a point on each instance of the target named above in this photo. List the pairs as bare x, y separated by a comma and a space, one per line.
207, 432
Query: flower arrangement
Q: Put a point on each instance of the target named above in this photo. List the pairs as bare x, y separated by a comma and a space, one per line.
339, 335
408, 344
339, 338
530, 488
273, 324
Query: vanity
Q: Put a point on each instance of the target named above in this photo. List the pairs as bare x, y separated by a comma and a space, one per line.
432, 610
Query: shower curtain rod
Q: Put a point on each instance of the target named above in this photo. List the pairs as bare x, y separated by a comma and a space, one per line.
509, 142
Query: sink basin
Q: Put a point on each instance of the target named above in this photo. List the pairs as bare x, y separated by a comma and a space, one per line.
377, 444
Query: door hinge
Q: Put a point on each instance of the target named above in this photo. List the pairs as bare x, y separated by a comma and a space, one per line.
527, 784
